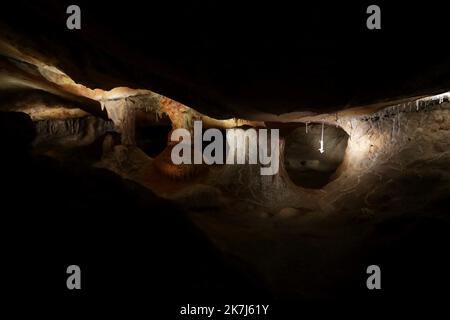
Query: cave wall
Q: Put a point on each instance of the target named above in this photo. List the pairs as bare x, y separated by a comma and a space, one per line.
122, 111
396, 160
70, 132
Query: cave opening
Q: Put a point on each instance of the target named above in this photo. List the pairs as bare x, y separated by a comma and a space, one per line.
305, 164
152, 137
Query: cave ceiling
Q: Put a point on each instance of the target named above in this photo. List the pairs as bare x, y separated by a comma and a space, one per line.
223, 60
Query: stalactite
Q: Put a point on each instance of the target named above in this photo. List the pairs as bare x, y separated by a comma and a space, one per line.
321, 149
122, 112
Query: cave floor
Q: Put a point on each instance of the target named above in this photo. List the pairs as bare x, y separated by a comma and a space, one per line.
304, 243
296, 252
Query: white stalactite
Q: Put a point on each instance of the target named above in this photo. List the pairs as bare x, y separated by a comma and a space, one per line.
321, 149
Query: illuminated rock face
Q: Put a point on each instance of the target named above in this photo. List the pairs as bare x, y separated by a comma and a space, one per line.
180, 115
390, 156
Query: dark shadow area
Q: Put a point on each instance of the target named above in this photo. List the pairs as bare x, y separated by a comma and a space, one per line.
152, 139
118, 232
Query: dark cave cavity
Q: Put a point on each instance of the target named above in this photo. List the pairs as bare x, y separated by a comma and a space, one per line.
306, 166
152, 135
